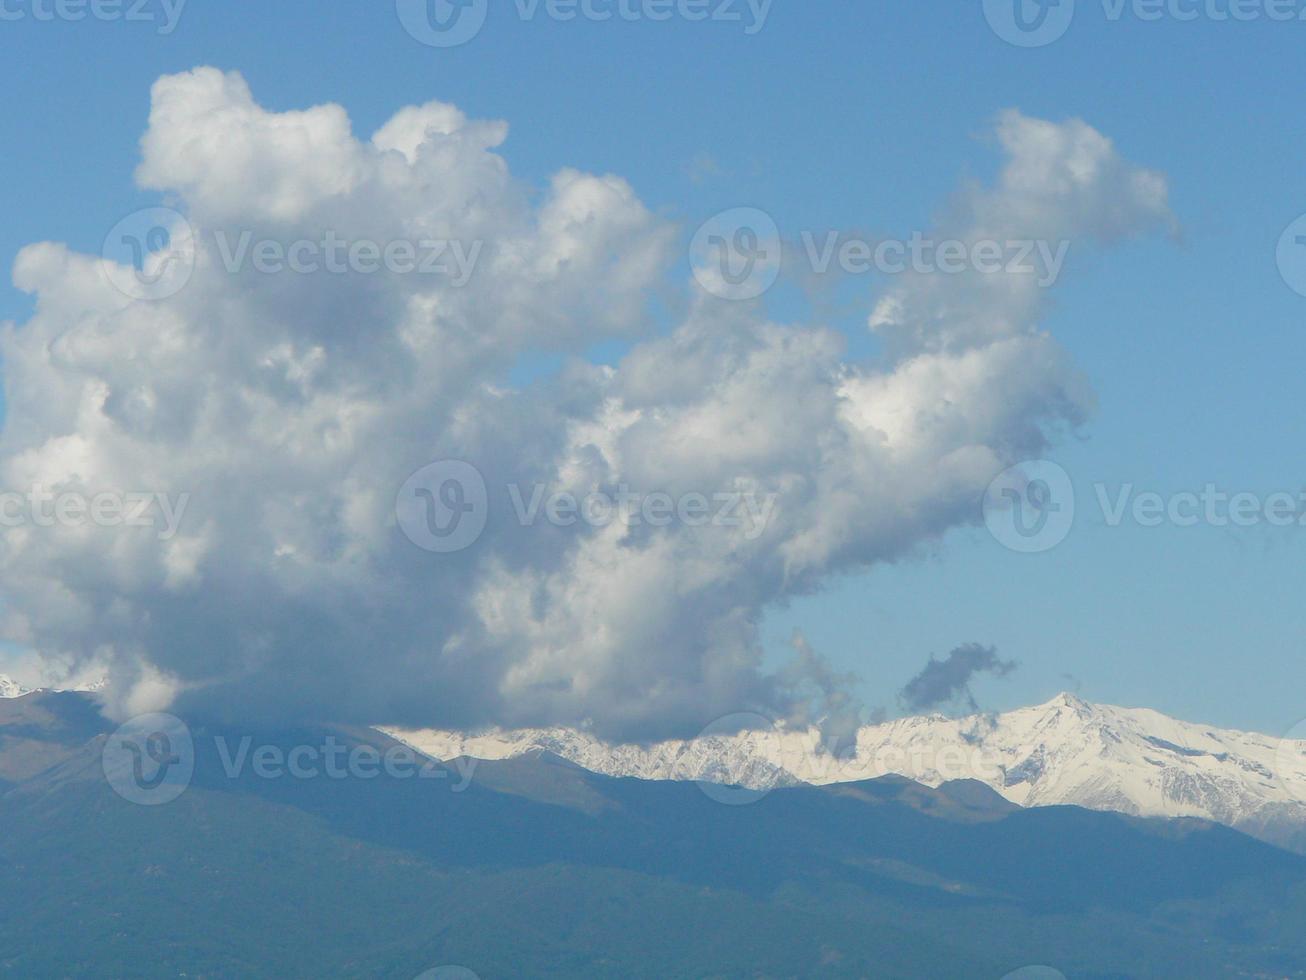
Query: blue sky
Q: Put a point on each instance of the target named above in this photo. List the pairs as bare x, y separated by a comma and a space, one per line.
863, 116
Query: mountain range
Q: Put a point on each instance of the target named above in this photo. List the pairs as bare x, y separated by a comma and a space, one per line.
537, 867
1065, 752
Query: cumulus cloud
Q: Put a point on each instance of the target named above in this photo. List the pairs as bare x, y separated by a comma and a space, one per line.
292, 407
947, 681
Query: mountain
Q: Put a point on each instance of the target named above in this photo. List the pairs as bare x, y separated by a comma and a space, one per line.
539, 868
1066, 752
10, 689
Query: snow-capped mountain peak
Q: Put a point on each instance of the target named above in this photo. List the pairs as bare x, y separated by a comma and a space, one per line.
1067, 751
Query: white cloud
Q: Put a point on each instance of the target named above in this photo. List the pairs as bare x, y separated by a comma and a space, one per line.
291, 408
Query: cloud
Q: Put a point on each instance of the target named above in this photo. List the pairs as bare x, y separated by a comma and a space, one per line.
947, 681
832, 706
1061, 183
702, 168
292, 407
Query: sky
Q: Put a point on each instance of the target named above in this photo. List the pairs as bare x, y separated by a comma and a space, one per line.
880, 120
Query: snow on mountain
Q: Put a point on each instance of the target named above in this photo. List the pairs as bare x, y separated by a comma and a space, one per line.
1128, 760
10, 688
